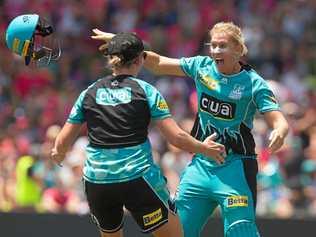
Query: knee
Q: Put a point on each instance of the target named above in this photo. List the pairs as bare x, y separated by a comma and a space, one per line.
191, 232
242, 228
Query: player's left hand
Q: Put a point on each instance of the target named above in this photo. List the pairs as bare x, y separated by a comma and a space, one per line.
276, 140
57, 157
101, 35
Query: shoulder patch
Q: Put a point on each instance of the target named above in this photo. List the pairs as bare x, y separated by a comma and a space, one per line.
162, 105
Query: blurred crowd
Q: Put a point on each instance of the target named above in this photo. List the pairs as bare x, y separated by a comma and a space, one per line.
34, 103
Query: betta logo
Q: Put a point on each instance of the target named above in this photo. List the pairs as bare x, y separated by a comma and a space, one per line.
237, 201
153, 217
217, 108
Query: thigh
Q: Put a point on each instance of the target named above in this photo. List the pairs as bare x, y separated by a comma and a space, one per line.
106, 205
147, 200
172, 228
116, 234
193, 201
235, 189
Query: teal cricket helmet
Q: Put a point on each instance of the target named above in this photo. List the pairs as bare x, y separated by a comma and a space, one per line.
21, 35
20, 31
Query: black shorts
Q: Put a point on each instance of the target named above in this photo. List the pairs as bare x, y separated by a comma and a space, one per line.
106, 202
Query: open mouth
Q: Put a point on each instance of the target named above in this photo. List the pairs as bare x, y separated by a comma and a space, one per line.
219, 61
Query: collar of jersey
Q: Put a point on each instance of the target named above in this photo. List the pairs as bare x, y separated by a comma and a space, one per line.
226, 75
121, 77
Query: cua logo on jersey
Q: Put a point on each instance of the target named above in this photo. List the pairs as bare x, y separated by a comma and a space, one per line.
237, 201
113, 97
153, 217
217, 108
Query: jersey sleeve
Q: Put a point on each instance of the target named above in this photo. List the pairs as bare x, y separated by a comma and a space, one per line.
190, 66
76, 115
157, 104
264, 98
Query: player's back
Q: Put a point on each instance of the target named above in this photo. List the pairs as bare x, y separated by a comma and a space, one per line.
118, 111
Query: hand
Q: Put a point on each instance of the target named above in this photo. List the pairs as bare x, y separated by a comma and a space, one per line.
214, 150
57, 157
276, 140
101, 35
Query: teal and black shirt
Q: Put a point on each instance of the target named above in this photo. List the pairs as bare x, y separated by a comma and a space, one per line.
118, 111
227, 103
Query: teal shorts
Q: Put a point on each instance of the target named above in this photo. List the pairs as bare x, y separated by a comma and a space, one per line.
232, 186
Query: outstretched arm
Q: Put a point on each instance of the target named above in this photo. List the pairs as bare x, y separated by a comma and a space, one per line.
154, 62
181, 139
162, 65
278, 123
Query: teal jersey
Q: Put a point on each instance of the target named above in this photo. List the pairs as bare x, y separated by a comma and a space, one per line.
118, 111
227, 104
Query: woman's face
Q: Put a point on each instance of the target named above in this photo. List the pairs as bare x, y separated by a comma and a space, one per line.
225, 52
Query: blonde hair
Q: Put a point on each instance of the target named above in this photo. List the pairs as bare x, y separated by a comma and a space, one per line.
114, 61
232, 30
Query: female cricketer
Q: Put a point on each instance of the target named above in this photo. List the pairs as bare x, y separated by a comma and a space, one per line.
229, 94
119, 170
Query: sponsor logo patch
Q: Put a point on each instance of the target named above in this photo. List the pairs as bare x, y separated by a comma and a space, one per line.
25, 47
113, 97
224, 80
237, 201
217, 108
26, 19
162, 105
237, 92
15, 45
114, 83
153, 217
208, 81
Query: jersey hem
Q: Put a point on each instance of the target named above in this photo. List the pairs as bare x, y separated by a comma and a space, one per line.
116, 180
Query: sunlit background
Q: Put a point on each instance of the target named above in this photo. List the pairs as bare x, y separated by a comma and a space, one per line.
34, 103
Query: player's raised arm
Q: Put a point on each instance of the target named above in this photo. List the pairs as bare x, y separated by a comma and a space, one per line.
162, 65
154, 62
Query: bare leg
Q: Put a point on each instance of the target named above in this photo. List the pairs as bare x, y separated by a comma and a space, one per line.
172, 229
116, 234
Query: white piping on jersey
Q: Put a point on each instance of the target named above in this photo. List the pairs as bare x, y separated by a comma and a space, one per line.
243, 143
252, 99
246, 113
198, 127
